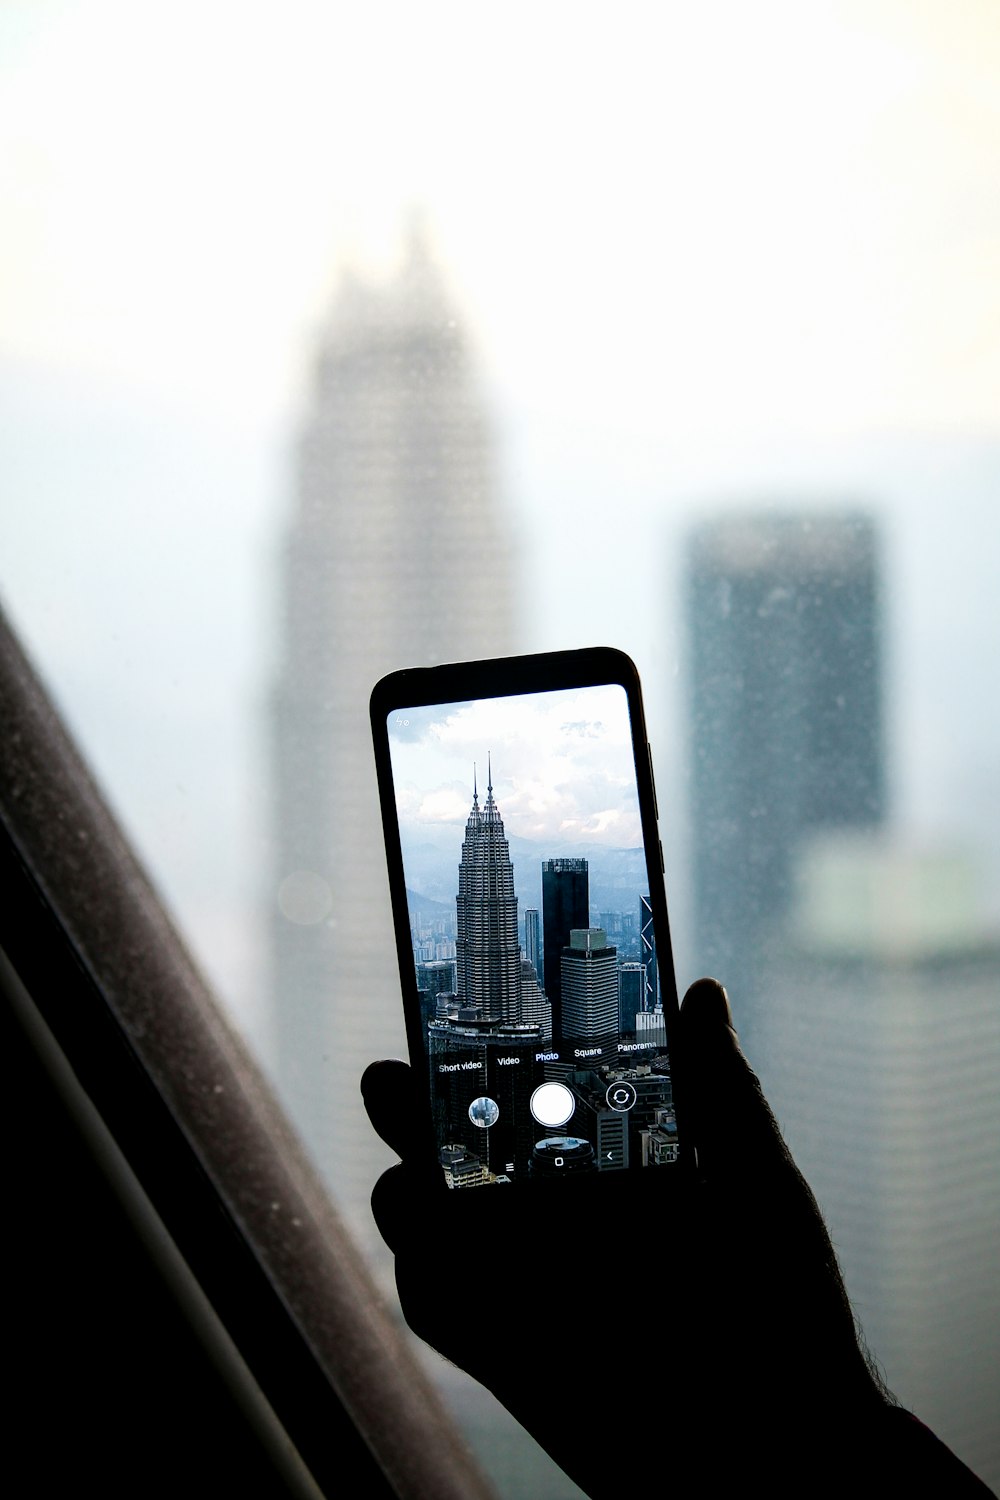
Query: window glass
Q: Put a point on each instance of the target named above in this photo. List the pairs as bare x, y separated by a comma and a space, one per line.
334, 340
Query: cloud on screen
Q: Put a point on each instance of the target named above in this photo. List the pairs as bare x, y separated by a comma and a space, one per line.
561, 765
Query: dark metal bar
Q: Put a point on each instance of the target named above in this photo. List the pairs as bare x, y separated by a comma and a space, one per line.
191, 1113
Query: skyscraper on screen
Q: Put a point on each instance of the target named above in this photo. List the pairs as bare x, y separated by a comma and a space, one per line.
565, 905
590, 987
631, 995
533, 940
394, 526
488, 963
486, 1041
647, 956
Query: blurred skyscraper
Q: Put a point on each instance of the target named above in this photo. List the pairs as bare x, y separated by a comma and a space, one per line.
879, 1051
863, 980
395, 556
786, 718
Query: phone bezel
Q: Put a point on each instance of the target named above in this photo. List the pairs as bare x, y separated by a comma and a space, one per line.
499, 677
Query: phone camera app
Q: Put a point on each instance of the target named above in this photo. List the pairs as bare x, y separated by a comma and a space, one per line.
531, 936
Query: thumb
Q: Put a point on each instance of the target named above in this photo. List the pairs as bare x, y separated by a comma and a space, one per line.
762, 1202
727, 1115
389, 1094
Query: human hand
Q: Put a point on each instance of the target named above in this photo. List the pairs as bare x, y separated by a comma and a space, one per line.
704, 1321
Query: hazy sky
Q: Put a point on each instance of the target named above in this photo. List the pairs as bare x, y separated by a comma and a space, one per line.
706, 195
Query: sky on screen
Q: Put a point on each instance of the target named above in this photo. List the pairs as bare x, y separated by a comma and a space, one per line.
561, 765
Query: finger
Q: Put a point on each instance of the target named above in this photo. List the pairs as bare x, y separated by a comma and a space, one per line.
707, 1004
744, 1159
393, 1207
387, 1089
730, 1120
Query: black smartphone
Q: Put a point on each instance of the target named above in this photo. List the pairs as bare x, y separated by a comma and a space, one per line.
526, 876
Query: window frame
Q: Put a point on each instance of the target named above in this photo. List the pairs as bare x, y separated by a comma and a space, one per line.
92, 951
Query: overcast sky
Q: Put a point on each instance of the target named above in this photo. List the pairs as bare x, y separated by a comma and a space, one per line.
704, 194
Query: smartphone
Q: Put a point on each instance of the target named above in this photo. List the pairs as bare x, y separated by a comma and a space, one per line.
526, 876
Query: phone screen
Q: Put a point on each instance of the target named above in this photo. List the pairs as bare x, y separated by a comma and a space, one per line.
541, 1015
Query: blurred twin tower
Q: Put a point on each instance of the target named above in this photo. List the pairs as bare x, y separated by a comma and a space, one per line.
397, 555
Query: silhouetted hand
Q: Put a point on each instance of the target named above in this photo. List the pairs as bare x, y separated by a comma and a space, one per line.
658, 1335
